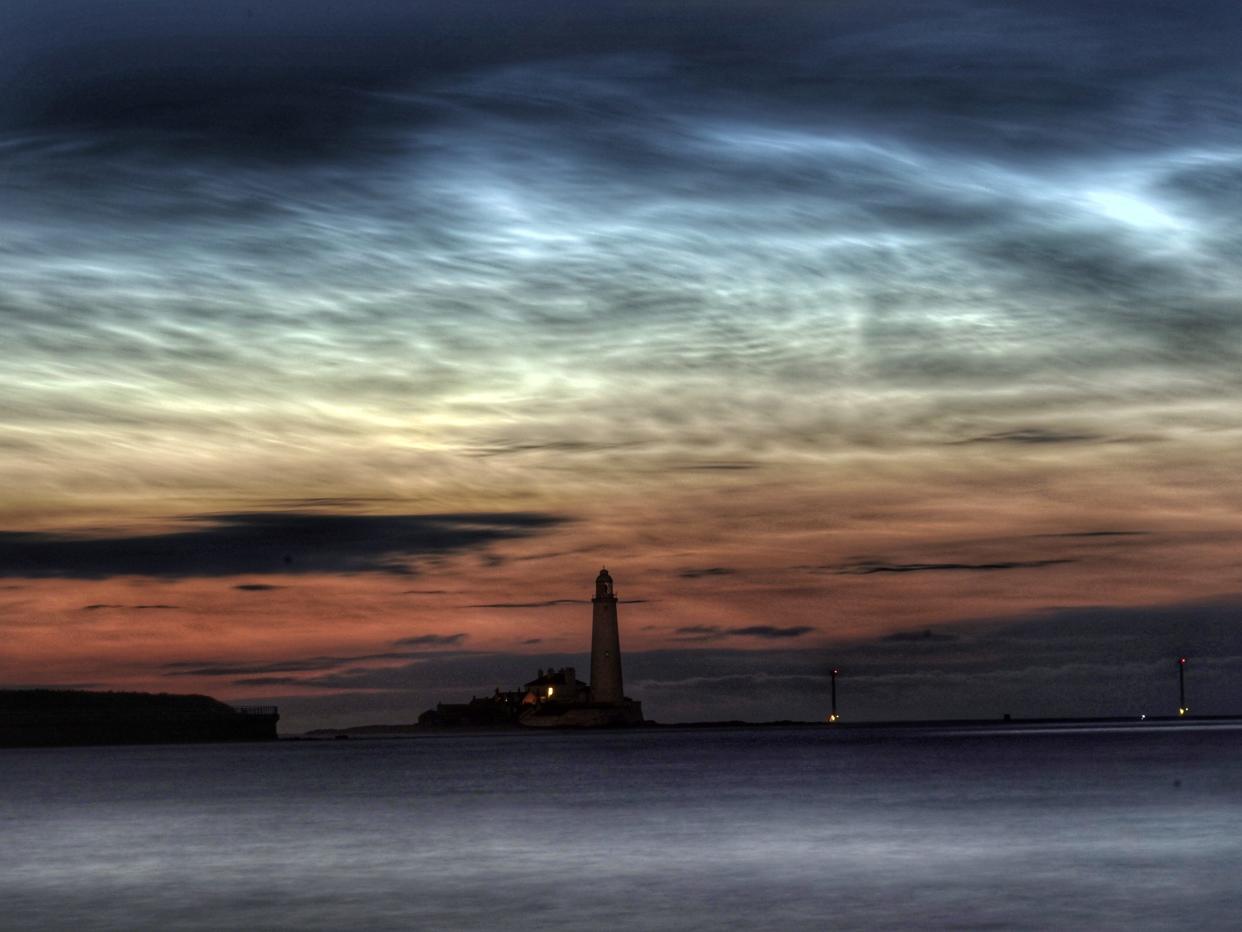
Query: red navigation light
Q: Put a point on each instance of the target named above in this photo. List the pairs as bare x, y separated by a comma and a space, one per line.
1182, 661
835, 672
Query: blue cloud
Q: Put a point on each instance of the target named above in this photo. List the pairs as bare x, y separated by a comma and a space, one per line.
271, 542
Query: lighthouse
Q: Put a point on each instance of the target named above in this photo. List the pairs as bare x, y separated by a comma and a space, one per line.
556, 699
605, 644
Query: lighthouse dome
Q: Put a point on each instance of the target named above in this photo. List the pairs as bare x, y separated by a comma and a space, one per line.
603, 584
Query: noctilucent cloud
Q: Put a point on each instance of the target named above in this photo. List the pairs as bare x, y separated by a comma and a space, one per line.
343, 343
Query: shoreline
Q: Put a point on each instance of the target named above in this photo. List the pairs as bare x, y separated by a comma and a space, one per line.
1110, 723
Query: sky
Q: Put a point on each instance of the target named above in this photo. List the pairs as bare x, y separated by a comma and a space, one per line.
343, 343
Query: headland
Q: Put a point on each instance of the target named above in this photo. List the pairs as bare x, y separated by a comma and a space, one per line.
52, 717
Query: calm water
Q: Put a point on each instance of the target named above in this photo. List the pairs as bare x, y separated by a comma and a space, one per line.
752, 829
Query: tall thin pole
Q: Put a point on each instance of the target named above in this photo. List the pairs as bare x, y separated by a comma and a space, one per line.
1181, 687
833, 716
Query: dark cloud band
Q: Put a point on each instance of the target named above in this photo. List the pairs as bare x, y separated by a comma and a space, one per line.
264, 543
867, 568
718, 633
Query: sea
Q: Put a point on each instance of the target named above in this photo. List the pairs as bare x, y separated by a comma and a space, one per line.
782, 828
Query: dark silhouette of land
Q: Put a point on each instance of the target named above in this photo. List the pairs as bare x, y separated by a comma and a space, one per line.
50, 717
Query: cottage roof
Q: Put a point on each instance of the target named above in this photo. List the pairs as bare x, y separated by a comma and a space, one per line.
562, 677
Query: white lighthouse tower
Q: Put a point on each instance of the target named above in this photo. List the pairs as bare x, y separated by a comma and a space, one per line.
605, 644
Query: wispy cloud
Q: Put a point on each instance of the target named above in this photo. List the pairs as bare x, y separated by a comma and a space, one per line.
868, 567
291, 681
432, 640
919, 637
1034, 435
718, 633
317, 664
547, 603
550, 603
1091, 534
733, 466
510, 447
699, 572
226, 668
98, 606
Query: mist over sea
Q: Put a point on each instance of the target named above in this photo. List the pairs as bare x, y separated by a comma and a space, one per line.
748, 828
